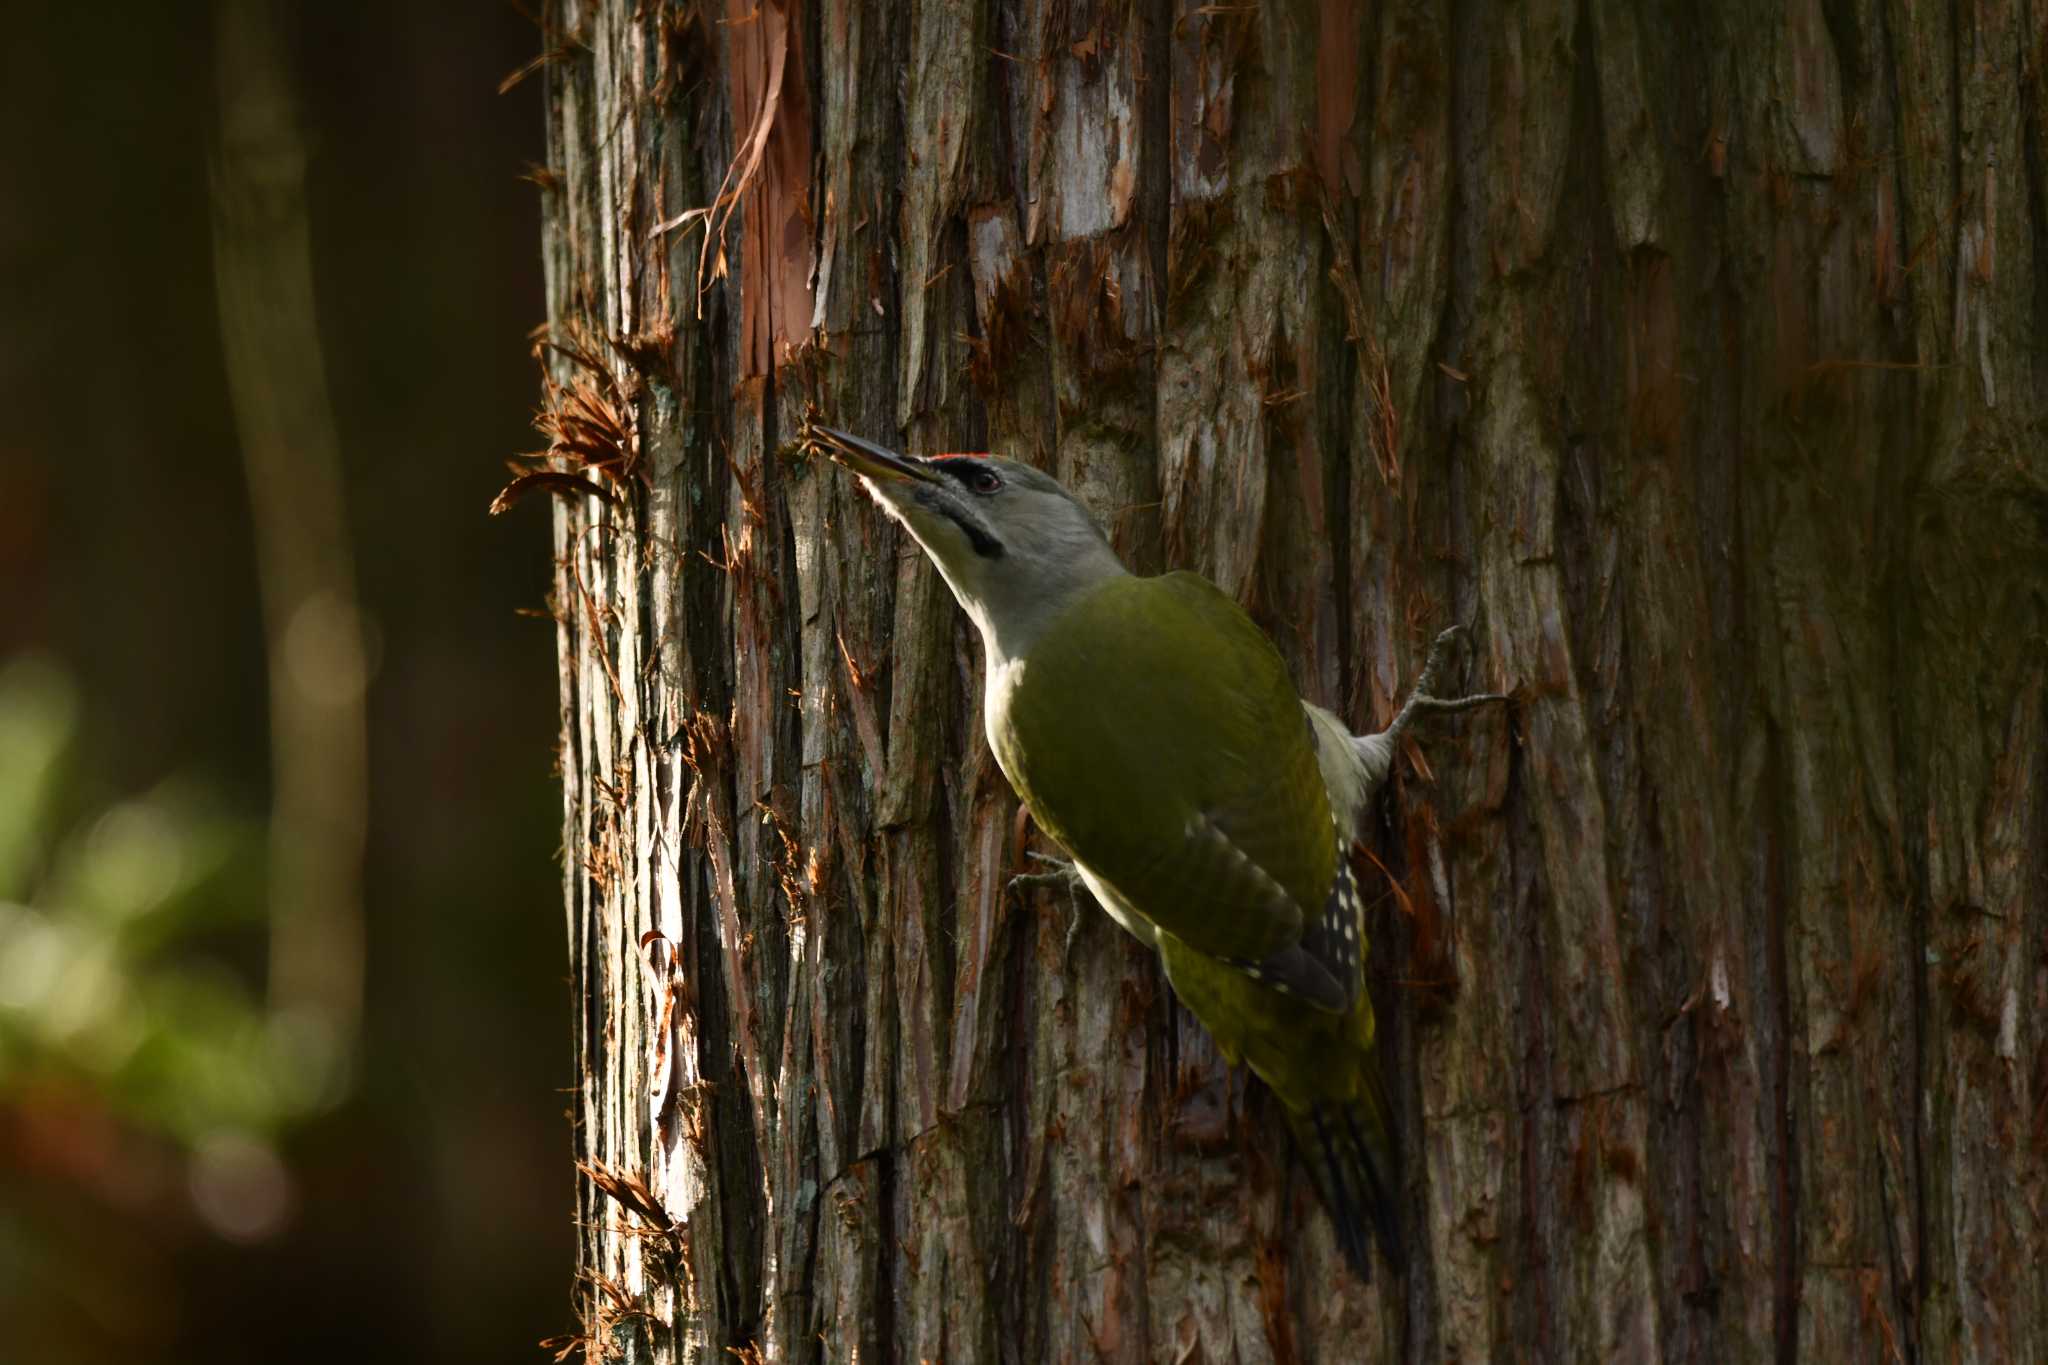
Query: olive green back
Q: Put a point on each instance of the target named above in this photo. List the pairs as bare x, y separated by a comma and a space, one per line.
1153, 731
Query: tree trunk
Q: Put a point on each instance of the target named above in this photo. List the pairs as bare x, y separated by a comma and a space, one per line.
1692, 351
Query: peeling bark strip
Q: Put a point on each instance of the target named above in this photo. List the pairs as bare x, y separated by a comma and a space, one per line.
770, 176
1694, 353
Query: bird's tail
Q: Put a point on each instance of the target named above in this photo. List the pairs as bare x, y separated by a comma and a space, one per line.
1349, 1151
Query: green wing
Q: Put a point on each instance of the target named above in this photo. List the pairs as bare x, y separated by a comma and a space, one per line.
1154, 732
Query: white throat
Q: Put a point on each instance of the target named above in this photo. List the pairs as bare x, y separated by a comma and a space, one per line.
1012, 604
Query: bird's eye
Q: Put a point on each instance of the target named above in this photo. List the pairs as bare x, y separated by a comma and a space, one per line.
984, 481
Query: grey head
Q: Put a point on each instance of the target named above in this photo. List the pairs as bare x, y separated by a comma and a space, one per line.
1011, 542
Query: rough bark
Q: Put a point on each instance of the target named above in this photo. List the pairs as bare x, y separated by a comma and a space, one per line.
1692, 350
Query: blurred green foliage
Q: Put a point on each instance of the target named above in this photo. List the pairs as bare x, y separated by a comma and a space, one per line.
171, 1187
105, 973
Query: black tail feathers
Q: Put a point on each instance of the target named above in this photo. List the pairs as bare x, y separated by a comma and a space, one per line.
1349, 1150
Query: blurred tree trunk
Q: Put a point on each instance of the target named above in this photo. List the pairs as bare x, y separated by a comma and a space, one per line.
291, 452
1695, 351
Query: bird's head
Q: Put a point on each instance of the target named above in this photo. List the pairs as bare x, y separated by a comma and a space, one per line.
1011, 542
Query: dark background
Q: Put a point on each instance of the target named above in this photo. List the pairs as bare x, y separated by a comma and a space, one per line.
430, 1211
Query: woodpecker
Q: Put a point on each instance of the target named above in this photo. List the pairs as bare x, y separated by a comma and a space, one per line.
1152, 730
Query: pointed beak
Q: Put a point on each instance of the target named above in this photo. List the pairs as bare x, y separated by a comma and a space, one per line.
867, 458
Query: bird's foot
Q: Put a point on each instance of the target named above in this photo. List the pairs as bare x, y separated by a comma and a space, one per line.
1378, 750
1064, 876
1424, 697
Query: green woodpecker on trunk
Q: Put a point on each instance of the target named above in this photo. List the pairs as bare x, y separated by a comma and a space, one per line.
1153, 732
